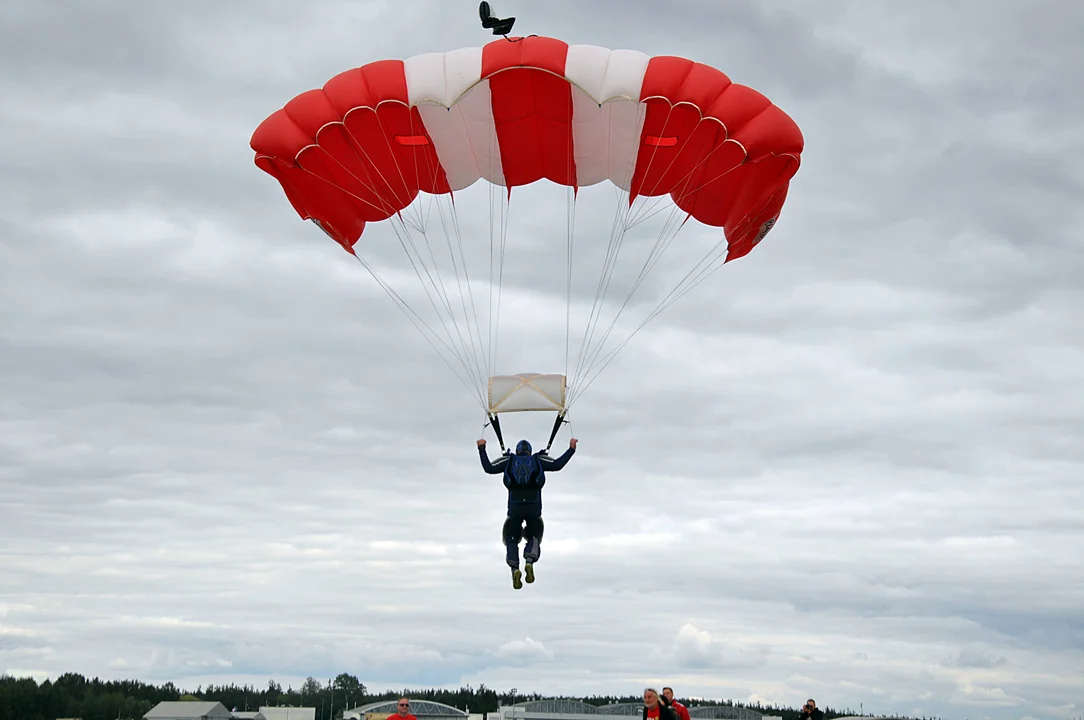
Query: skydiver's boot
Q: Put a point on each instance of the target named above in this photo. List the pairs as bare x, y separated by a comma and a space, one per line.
531, 554
512, 534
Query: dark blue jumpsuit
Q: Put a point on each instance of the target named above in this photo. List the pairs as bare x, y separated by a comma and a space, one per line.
524, 476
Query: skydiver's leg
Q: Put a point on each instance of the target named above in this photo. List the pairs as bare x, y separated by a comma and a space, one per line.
512, 533
533, 551
533, 532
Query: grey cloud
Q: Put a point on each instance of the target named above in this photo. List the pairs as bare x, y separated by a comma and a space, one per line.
844, 467
977, 658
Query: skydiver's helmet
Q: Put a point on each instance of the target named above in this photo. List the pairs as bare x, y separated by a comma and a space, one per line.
523, 448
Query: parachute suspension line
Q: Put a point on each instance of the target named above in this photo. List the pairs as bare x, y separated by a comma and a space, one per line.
661, 244
391, 212
612, 251
672, 297
422, 327
419, 264
489, 344
703, 269
506, 201
571, 210
665, 238
416, 260
474, 333
492, 188
476, 343
648, 215
617, 235
422, 218
672, 226
477, 350
438, 285
460, 351
570, 226
495, 314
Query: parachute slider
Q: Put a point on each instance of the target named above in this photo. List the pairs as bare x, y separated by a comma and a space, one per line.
527, 392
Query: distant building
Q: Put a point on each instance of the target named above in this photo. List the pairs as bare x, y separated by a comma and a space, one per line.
183, 710
564, 709
421, 709
288, 713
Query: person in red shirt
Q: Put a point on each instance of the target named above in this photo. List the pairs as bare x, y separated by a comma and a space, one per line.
681, 710
402, 710
654, 709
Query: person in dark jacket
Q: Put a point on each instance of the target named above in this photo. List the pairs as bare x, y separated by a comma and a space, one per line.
681, 710
524, 476
656, 707
810, 711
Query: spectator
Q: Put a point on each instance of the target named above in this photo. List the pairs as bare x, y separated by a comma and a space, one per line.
403, 710
654, 709
810, 711
681, 710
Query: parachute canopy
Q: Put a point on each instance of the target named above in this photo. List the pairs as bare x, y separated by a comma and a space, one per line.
373, 140
514, 112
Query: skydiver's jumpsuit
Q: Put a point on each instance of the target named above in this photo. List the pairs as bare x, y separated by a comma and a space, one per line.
524, 476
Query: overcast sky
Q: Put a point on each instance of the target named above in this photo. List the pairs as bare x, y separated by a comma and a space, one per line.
847, 466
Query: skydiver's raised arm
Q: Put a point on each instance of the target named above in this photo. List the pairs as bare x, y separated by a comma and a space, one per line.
493, 468
554, 464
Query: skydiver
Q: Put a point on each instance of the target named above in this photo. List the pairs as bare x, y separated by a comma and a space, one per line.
524, 475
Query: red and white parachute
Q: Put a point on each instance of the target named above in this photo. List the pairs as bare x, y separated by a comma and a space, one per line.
378, 141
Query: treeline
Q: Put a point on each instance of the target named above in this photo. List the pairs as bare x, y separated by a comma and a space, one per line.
73, 696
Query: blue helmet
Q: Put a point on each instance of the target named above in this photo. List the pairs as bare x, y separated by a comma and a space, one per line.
523, 448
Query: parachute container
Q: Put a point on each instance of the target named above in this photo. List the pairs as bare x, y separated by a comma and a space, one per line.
526, 392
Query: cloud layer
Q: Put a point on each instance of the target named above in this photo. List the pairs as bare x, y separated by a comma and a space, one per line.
847, 466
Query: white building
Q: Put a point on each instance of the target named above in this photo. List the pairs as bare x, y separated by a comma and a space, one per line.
184, 710
288, 713
199, 710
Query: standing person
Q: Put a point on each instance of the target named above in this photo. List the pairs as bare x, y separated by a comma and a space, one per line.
402, 710
810, 711
655, 708
681, 710
524, 476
